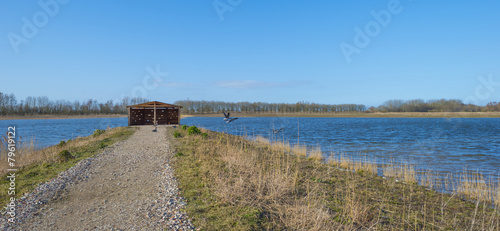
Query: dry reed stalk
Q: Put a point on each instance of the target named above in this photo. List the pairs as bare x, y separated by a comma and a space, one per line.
409, 175
365, 166
332, 160
369, 166
345, 162
428, 179
405, 173
472, 185
262, 140
390, 171
281, 146
316, 154
300, 150
497, 196
305, 214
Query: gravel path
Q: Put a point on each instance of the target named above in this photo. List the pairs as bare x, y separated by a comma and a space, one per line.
130, 186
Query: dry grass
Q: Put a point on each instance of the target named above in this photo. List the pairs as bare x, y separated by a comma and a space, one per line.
405, 173
367, 166
262, 140
233, 183
347, 163
316, 154
27, 154
473, 185
497, 196
282, 146
300, 150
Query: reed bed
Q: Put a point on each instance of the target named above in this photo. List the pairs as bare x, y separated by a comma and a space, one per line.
316, 154
233, 183
300, 150
405, 173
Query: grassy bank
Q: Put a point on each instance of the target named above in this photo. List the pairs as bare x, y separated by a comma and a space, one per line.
366, 115
38, 166
233, 183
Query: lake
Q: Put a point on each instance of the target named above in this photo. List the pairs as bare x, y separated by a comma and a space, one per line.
447, 145
441, 144
48, 132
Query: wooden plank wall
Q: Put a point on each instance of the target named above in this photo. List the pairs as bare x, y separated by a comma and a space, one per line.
146, 116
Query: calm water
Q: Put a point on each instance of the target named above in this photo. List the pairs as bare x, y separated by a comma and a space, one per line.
446, 145
51, 131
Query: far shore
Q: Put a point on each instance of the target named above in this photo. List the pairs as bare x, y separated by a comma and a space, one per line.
41, 117
319, 115
363, 115
47, 117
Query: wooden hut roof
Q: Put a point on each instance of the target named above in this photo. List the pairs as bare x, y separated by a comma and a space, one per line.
152, 104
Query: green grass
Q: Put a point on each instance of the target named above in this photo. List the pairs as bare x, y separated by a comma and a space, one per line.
203, 206
230, 183
28, 177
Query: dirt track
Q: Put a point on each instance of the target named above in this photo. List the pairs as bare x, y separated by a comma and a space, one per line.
129, 186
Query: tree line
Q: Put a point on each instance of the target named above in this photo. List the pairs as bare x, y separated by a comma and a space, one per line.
9, 105
442, 105
203, 107
42, 105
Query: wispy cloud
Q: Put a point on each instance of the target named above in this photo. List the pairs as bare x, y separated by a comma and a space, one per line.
252, 84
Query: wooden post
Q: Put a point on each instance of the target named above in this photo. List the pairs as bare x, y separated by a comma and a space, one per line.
179, 116
154, 120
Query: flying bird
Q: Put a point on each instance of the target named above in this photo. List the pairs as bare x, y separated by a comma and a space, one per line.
276, 131
227, 118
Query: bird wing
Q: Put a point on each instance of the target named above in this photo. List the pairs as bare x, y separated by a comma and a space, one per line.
225, 115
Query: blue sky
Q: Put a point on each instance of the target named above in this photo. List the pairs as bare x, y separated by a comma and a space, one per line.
271, 51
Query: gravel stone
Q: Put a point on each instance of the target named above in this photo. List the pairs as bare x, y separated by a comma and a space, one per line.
129, 186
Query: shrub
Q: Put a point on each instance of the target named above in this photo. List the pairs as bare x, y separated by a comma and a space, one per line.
177, 134
193, 130
184, 127
62, 143
98, 132
179, 154
204, 135
102, 145
64, 156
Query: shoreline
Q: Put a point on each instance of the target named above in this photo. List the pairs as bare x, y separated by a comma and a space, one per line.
52, 117
364, 115
261, 185
317, 115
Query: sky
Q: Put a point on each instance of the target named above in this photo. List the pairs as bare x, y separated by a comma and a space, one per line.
332, 52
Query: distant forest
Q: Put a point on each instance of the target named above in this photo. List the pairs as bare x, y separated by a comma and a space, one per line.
9, 105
